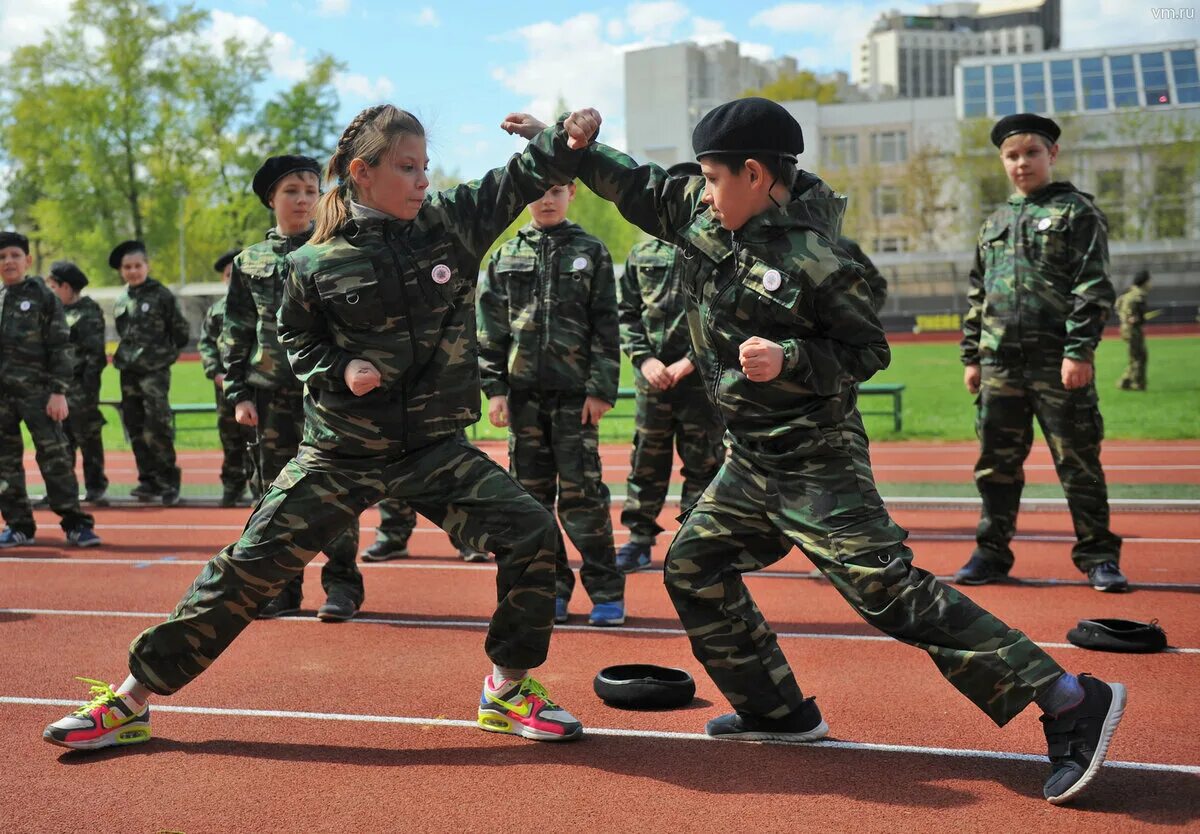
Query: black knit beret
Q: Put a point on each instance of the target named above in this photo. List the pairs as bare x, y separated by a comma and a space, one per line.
67, 273
749, 126
124, 248
1025, 123
225, 259
278, 167
17, 239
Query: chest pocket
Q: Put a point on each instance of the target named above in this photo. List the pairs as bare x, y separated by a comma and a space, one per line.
993, 253
442, 283
575, 273
768, 300
517, 274
653, 276
1048, 243
263, 280
351, 294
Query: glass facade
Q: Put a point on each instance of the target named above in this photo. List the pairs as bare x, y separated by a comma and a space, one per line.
1154, 78
1062, 85
974, 92
1124, 81
1004, 90
1187, 84
1091, 76
1033, 88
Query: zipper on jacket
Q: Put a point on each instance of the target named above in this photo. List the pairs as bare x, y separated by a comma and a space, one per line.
412, 340
712, 306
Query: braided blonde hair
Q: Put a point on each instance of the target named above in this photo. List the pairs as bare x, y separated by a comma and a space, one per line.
368, 137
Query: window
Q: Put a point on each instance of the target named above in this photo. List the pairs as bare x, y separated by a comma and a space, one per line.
1110, 197
1091, 74
1187, 84
1033, 88
1004, 90
889, 244
889, 147
887, 201
1062, 85
1170, 203
840, 150
1154, 79
1123, 80
974, 92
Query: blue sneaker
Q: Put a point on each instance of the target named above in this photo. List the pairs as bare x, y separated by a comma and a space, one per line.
560, 609
13, 538
633, 556
83, 537
608, 614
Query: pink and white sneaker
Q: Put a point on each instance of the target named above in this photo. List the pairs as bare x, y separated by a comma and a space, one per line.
106, 720
522, 708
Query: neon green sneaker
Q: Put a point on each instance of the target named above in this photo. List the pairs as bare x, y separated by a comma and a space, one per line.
106, 720
523, 708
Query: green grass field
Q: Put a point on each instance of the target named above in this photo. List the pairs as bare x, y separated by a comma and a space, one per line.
936, 407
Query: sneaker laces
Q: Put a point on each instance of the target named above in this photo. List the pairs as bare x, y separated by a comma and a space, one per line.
532, 687
101, 693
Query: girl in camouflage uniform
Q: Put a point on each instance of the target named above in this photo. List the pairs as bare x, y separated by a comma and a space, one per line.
378, 323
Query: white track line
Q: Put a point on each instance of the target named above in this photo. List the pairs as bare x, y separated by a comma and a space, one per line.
483, 624
658, 735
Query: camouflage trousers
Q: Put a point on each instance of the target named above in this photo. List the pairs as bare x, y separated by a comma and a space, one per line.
279, 432
146, 410
235, 439
1009, 400
1135, 373
53, 459
814, 489
557, 459
316, 497
397, 521
84, 427
683, 416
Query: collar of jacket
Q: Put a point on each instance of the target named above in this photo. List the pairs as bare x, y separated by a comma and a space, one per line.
1044, 194
562, 231
146, 285
814, 205
290, 242
366, 222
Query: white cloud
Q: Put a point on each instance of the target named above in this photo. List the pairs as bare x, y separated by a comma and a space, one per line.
840, 28
356, 85
427, 17
23, 23
616, 29
706, 31
1087, 24
284, 56
330, 8
655, 20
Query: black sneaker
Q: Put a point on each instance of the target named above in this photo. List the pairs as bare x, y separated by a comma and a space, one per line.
338, 607
42, 502
170, 497
979, 571
288, 602
146, 492
1078, 738
1106, 576
385, 551
96, 497
805, 724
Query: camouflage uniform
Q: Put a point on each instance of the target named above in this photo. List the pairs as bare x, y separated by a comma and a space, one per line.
151, 331
234, 474
36, 361
653, 320
548, 339
84, 422
257, 370
400, 295
1039, 291
798, 472
1131, 309
874, 278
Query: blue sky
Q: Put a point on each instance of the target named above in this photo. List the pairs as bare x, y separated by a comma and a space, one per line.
462, 66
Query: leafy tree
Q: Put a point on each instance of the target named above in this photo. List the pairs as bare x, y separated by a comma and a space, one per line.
800, 86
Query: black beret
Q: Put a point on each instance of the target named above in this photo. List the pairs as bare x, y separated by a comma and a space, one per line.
17, 239
644, 686
749, 126
685, 169
67, 273
1025, 123
225, 260
278, 167
125, 248
1119, 636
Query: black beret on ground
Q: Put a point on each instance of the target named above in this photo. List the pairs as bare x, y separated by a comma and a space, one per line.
1119, 636
226, 259
644, 686
124, 248
67, 273
749, 126
278, 167
1025, 123
17, 239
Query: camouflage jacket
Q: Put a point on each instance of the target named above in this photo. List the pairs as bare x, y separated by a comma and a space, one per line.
780, 277
400, 294
1131, 310
874, 277
210, 334
547, 318
85, 320
1039, 289
652, 309
150, 328
35, 344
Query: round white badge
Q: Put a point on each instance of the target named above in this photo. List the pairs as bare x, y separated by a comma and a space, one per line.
1043, 224
145, 306
24, 306
579, 263
440, 274
772, 280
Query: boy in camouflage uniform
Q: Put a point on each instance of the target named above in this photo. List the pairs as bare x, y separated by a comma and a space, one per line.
150, 332
235, 470
549, 361
672, 407
84, 422
1039, 299
36, 365
1131, 310
260, 385
783, 327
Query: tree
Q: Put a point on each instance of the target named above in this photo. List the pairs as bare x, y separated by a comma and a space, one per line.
803, 85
